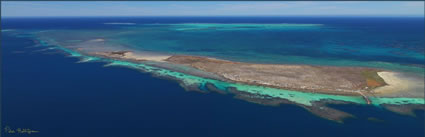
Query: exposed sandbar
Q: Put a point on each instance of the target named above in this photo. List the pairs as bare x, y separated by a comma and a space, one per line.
103, 48
132, 56
399, 85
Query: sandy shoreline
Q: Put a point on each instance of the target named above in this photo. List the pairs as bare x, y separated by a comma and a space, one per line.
394, 83
133, 56
100, 47
345, 81
316, 79
399, 86
321, 79
146, 56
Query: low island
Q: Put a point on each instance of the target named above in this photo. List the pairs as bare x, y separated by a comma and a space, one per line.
309, 86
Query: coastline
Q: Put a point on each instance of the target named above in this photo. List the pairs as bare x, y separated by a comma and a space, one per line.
382, 83
398, 85
259, 94
146, 96
132, 56
394, 83
332, 80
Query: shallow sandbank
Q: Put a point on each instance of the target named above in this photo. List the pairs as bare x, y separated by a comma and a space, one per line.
130, 55
400, 85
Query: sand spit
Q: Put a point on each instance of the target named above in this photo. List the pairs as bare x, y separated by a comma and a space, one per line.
399, 85
133, 56
97, 40
104, 48
146, 56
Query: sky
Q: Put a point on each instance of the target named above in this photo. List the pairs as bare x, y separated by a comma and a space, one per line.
210, 8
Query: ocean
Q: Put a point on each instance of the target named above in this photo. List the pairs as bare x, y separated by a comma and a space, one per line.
48, 91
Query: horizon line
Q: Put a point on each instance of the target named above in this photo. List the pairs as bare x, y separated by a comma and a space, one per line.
348, 15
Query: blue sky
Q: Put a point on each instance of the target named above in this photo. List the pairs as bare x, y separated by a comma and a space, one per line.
211, 8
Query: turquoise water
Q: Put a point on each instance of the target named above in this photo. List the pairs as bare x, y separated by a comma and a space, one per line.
312, 44
293, 96
280, 43
283, 43
85, 95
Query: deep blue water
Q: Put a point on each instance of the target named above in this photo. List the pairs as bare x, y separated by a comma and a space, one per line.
383, 39
51, 93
